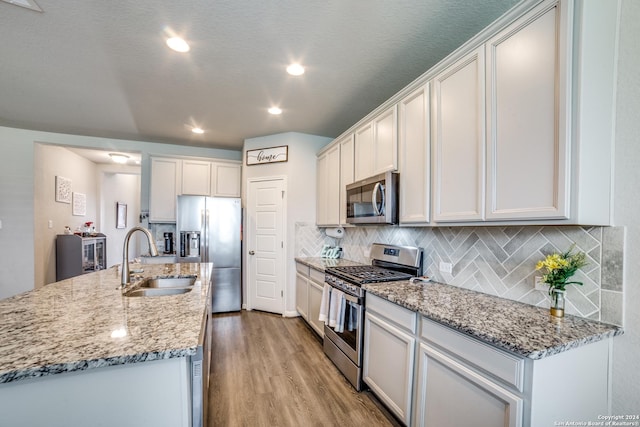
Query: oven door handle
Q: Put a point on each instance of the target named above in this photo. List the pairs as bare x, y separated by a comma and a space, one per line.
348, 297
352, 299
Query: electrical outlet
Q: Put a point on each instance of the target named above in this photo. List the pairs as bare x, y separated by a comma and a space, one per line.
446, 267
539, 284
50, 224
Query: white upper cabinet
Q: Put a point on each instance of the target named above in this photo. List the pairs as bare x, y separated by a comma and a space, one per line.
458, 140
376, 145
385, 141
164, 188
414, 157
346, 173
196, 177
363, 152
328, 187
217, 179
527, 129
225, 179
522, 123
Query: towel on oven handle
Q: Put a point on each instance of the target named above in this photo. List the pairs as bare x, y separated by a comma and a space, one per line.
342, 308
324, 303
335, 307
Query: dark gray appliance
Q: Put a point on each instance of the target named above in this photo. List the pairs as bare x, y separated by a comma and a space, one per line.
210, 230
388, 263
373, 200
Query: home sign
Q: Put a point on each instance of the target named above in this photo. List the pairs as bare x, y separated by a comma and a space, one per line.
267, 155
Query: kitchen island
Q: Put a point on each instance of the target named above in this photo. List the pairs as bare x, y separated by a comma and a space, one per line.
77, 352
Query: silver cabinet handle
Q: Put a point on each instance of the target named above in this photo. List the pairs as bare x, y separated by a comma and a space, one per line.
252, 252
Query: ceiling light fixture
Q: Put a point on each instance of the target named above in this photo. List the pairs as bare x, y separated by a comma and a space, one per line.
119, 158
29, 4
295, 69
275, 111
178, 44
197, 130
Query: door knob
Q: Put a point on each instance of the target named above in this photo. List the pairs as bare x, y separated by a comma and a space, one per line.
252, 252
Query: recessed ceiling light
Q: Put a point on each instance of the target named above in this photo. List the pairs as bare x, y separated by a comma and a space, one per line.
295, 69
275, 111
178, 44
119, 158
197, 130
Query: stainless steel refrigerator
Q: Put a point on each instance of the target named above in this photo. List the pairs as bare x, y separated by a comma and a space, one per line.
209, 229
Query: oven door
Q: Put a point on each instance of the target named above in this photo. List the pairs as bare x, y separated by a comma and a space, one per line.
349, 340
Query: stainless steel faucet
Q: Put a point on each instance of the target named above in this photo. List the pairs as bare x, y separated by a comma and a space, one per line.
153, 251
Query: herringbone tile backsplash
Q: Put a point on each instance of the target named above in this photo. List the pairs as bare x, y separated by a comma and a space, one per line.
499, 260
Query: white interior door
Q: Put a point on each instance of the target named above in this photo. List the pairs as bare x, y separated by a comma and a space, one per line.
265, 245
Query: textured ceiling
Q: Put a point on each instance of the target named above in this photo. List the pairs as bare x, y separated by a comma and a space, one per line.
101, 68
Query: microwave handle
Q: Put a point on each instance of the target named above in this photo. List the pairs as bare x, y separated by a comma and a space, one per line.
378, 187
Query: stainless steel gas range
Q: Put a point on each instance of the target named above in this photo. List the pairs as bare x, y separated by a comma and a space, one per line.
345, 312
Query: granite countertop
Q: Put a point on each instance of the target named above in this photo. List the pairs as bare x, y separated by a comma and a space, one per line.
84, 323
322, 263
519, 328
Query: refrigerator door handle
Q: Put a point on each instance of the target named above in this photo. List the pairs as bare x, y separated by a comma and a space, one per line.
204, 257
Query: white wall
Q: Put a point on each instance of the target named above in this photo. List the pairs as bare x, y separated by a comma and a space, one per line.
300, 170
17, 192
51, 161
123, 187
626, 352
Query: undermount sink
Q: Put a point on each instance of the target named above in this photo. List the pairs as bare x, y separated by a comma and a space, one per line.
156, 292
163, 285
181, 281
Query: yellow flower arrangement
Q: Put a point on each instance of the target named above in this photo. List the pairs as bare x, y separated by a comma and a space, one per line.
559, 267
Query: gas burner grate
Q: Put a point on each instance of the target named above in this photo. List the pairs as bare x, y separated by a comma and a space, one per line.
367, 274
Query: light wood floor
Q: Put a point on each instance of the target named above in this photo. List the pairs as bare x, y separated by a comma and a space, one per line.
267, 370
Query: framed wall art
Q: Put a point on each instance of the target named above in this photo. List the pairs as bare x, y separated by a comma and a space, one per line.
79, 204
267, 155
121, 215
63, 189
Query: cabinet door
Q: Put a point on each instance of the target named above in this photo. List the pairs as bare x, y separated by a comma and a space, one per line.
302, 304
346, 173
414, 157
315, 299
388, 362
165, 187
328, 195
196, 177
526, 125
225, 180
321, 190
458, 136
333, 186
385, 142
445, 386
363, 151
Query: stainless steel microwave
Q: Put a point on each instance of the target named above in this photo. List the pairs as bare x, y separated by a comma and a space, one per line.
373, 200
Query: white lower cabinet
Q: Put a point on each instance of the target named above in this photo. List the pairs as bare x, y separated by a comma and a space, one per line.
445, 386
309, 286
431, 375
315, 299
389, 354
302, 292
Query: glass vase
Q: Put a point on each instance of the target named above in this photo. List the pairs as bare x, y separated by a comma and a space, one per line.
557, 302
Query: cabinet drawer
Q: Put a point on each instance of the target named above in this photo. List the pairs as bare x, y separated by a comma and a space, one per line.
317, 275
399, 315
302, 269
505, 366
